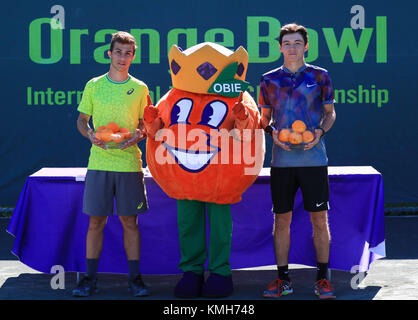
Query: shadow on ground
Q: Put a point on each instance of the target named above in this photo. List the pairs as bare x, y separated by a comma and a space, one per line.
248, 285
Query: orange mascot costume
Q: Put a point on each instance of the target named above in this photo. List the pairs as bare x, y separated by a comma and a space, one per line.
204, 149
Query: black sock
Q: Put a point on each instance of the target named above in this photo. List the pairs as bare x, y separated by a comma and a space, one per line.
133, 268
283, 272
91, 268
322, 269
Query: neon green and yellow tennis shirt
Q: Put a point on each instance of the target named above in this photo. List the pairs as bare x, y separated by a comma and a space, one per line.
122, 102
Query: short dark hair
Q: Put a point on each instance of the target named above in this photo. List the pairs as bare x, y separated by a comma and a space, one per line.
293, 28
124, 38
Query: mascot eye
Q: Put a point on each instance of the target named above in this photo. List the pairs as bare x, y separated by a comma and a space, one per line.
181, 111
214, 114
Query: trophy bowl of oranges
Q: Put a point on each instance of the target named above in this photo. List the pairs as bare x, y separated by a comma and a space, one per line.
297, 136
113, 135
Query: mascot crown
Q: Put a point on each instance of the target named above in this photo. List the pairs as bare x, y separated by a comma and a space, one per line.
196, 68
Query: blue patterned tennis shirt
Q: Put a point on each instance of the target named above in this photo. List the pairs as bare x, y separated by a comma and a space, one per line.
297, 96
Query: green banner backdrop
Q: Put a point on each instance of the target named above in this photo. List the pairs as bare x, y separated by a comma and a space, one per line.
50, 50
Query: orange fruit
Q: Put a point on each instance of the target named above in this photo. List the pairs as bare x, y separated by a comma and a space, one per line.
125, 132
105, 135
113, 126
295, 138
307, 136
284, 135
299, 126
98, 134
117, 137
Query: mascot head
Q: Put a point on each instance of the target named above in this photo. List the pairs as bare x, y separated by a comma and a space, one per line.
196, 155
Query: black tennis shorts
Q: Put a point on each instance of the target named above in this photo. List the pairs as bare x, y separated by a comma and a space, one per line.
105, 190
313, 182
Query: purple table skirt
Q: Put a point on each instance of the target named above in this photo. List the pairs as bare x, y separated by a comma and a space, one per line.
50, 228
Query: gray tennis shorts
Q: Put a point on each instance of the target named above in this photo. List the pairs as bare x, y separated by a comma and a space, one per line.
105, 191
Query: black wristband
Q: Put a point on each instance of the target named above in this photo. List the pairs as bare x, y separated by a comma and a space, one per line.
323, 131
269, 130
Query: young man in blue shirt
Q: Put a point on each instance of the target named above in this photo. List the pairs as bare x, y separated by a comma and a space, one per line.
298, 91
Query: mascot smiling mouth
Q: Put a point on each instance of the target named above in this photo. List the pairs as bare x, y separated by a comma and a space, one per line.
192, 160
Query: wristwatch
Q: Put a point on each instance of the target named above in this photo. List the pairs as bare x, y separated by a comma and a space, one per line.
323, 131
269, 130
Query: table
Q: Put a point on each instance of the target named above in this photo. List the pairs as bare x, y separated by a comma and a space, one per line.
50, 228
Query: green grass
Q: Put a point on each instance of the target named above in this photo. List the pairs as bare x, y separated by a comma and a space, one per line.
400, 205
391, 209
6, 211
401, 209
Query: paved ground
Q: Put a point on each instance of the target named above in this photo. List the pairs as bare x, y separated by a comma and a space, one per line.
392, 278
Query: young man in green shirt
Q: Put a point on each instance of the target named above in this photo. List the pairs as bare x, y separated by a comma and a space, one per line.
114, 173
